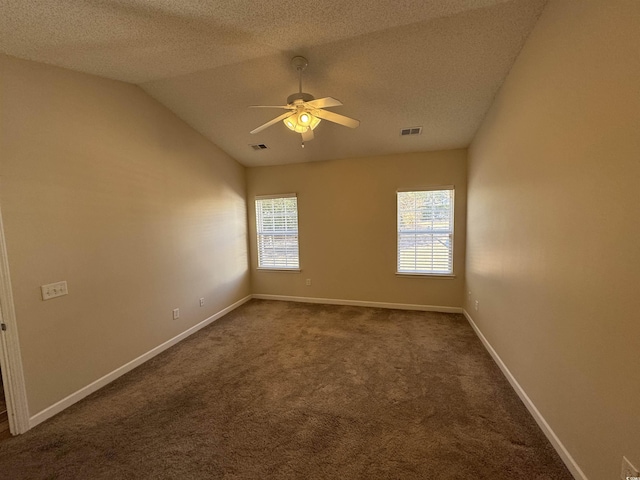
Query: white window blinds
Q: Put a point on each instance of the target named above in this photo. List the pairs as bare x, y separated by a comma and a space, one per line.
425, 232
277, 231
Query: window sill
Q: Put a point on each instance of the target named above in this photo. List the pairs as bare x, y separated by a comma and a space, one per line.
448, 276
279, 270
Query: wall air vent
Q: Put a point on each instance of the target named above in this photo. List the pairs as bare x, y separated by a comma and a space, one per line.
410, 131
259, 146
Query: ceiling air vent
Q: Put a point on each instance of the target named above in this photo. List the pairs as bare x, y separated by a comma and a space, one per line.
259, 146
410, 131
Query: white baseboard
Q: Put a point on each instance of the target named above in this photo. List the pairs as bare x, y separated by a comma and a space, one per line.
566, 457
118, 372
359, 303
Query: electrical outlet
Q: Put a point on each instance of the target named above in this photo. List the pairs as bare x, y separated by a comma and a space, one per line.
53, 290
176, 313
476, 305
629, 472
202, 302
308, 282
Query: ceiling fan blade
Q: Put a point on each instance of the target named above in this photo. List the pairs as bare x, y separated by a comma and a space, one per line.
307, 135
336, 118
324, 102
272, 122
270, 106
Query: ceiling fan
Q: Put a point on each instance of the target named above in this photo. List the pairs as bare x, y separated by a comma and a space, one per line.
305, 112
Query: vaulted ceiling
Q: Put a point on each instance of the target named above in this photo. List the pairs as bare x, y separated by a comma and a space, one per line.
393, 64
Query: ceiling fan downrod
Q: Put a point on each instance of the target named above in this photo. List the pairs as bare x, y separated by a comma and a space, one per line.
300, 64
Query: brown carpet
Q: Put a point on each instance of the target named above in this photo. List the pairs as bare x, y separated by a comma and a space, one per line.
279, 390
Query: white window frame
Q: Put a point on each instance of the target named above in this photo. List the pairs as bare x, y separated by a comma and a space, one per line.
449, 232
287, 260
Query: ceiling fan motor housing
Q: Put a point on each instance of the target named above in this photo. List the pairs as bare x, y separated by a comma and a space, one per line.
305, 97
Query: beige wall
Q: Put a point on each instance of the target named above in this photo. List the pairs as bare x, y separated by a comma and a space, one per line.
347, 227
106, 189
553, 252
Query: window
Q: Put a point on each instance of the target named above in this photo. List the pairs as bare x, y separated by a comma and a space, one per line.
425, 231
277, 232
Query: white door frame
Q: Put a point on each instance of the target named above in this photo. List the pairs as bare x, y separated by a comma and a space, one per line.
10, 358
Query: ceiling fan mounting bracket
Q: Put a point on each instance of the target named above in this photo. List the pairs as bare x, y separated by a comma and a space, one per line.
299, 63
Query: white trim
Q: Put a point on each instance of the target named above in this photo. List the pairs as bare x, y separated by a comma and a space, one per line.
359, 303
426, 189
566, 457
278, 270
449, 276
10, 358
277, 195
118, 372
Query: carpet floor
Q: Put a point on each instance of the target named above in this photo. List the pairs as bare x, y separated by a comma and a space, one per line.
278, 390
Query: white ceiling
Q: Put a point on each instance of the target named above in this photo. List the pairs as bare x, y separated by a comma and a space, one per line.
394, 64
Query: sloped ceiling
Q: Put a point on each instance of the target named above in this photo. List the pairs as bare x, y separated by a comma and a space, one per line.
394, 64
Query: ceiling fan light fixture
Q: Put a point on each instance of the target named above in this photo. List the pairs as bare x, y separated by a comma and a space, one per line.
292, 124
301, 122
315, 121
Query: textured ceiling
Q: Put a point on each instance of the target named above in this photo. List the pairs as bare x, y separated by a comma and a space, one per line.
393, 64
